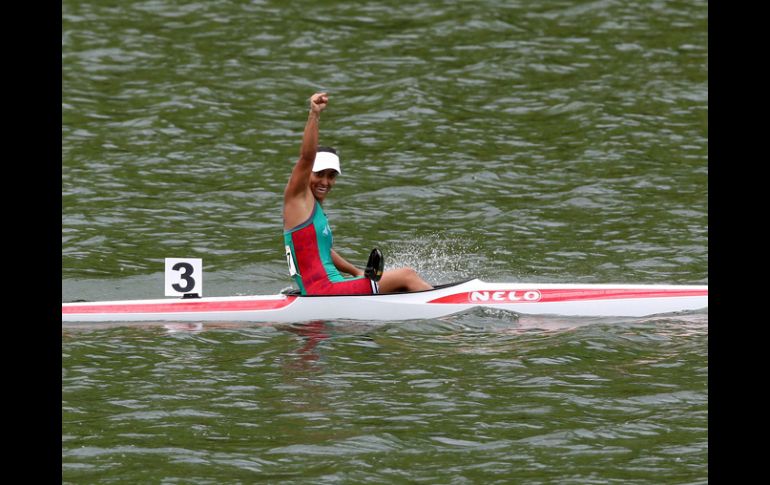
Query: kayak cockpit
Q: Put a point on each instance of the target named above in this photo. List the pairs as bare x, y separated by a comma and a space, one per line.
296, 292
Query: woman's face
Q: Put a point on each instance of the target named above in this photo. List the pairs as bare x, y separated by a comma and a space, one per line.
321, 183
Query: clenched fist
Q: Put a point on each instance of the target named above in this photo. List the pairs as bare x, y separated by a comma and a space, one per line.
318, 102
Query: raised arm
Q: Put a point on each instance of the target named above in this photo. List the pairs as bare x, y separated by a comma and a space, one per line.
297, 199
300, 176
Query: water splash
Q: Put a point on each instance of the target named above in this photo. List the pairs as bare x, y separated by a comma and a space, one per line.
437, 257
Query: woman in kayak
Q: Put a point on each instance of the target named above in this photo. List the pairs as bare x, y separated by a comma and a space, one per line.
315, 266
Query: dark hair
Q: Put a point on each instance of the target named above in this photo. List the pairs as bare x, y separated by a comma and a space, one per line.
327, 149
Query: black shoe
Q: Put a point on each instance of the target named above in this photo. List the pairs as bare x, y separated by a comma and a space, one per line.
375, 265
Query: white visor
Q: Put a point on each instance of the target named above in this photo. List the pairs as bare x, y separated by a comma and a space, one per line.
324, 160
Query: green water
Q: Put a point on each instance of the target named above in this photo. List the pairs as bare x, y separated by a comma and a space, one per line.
555, 141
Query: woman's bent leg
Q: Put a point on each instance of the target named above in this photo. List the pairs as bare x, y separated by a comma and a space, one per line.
402, 279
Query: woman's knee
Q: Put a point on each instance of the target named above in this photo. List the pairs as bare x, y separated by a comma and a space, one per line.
408, 273
410, 280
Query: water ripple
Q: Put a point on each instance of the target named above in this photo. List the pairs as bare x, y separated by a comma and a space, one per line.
548, 141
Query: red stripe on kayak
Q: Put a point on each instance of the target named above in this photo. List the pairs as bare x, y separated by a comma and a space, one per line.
562, 295
181, 307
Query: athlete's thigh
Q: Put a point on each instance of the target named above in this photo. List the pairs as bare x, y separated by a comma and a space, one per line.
352, 286
395, 280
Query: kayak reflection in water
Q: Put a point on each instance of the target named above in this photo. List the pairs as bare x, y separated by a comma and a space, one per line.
315, 267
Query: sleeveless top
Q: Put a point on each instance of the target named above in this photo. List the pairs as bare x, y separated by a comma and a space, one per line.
309, 251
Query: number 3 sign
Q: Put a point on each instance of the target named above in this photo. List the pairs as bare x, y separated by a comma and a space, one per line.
184, 276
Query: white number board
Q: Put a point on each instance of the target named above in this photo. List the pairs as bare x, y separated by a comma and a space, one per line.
183, 276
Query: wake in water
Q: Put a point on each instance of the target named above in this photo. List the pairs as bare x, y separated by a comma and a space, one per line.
495, 319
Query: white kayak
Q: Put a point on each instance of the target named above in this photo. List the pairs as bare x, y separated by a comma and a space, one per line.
592, 300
